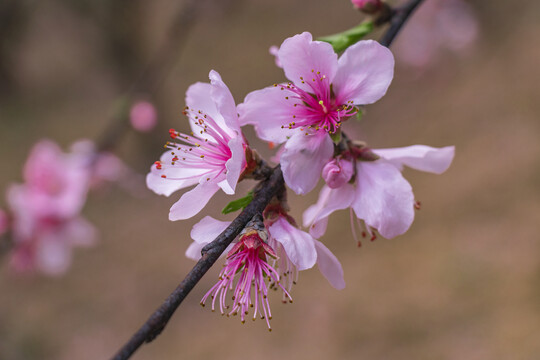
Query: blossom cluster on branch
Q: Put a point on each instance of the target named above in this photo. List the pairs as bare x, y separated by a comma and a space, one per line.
305, 115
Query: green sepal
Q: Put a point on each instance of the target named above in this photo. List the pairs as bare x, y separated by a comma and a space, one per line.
343, 40
238, 203
336, 137
359, 114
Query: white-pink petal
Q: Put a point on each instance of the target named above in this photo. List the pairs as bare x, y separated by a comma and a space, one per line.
329, 266
419, 157
364, 73
204, 232
299, 55
298, 244
269, 112
303, 159
193, 201
222, 97
237, 163
384, 199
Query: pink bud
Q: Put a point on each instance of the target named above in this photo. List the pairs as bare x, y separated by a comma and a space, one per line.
337, 172
367, 6
143, 116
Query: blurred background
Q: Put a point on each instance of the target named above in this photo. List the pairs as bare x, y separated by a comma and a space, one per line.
463, 283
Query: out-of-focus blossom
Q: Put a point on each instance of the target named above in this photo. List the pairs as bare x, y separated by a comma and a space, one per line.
380, 195
103, 166
44, 211
436, 27
322, 94
143, 116
367, 6
213, 157
273, 50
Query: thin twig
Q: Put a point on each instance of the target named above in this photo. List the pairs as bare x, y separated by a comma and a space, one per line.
398, 19
264, 193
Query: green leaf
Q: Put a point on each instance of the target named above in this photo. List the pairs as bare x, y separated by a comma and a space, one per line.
238, 203
343, 40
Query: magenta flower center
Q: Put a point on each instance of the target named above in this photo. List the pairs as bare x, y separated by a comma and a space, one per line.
205, 151
318, 108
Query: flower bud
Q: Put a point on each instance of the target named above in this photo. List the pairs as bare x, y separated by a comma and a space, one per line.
337, 173
367, 6
143, 116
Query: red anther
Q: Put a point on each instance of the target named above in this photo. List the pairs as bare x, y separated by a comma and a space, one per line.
201, 121
164, 176
373, 237
158, 165
363, 234
359, 243
175, 158
271, 145
173, 133
417, 205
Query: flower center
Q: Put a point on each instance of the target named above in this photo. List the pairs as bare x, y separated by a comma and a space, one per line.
317, 108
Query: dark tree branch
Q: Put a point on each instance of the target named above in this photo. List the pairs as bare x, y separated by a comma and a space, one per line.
264, 193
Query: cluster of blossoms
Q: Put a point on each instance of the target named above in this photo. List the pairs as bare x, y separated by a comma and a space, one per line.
43, 219
304, 114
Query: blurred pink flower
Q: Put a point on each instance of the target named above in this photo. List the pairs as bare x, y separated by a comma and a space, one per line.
213, 157
45, 210
380, 196
436, 27
323, 93
143, 116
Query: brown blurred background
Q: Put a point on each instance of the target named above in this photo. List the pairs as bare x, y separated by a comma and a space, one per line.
463, 283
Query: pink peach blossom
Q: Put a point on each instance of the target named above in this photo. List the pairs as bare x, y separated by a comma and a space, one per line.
380, 196
322, 94
213, 157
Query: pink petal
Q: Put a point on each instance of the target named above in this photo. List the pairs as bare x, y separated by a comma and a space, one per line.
193, 201
330, 200
80, 232
303, 160
273, 50
384, 199
198, 97
298, 244
268, 111
365, 72
329, 266
237, 163
419, 157
204, 232
53, 255
222, 97
300, 54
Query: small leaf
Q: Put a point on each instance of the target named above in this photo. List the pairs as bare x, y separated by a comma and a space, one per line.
238, 203
343, 40
336, 137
